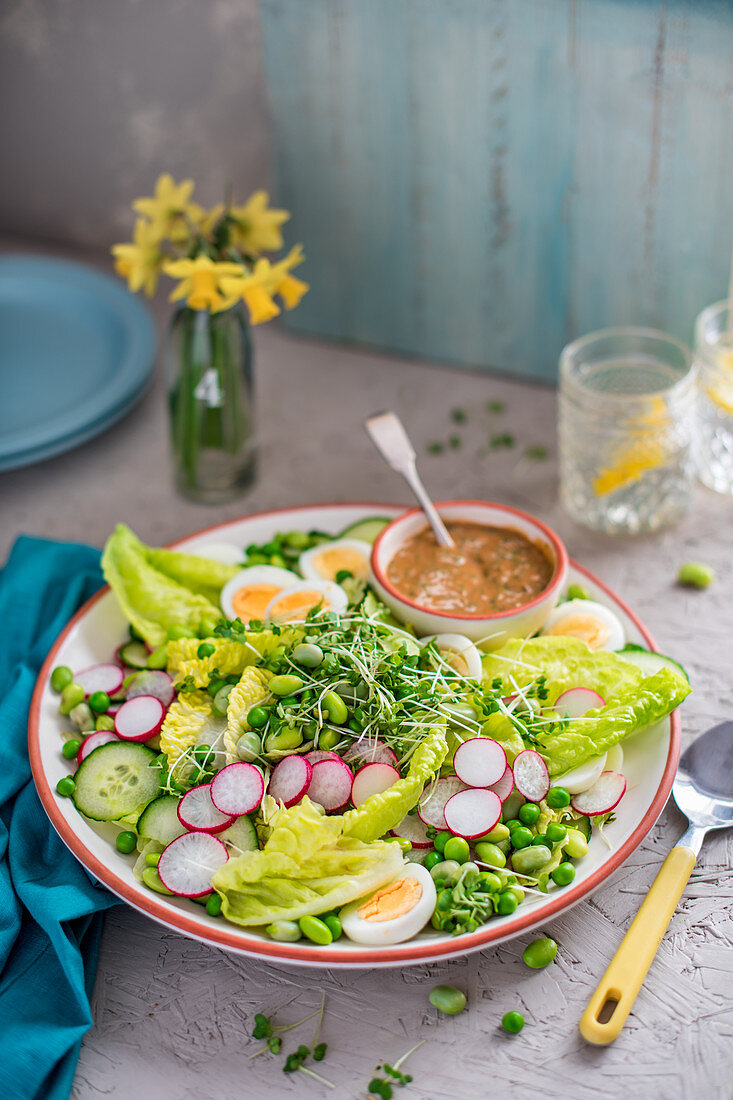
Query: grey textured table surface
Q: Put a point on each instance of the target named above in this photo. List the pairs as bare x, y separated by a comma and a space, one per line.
173, 1018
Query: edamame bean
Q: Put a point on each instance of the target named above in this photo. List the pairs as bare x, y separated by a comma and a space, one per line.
286, 931
521, 837
308, 655
447, 999
206, 627
557, 798
152, 859
158, 658
576, 846
249, 747
328, 739
529, 860
516, 892
333, 924
257, 717
489, 882
563, 875
499, 832
285, 685
221, 700
71, 696
440, 841
402, 842
99, 702
206, 649
152, 880
513, 1022
315, 930
214, 686
334, 707
70, 748
457, 848
298, 540
432, 859
540, 953
448, 870
213, 905
695, 574
490, 853
283, 741
529, 813
556, 833
126, 842
82, 717
104, 722
577, 592
61, 677
176, 632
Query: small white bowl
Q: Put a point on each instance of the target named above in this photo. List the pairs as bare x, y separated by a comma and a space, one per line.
490, 631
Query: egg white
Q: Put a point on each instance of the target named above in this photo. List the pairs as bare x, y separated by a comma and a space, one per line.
593, 612
461, 645
311, 568
399, 929
256, 574
337, 599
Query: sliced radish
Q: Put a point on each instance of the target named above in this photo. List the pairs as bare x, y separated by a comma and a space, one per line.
152, 682
504, 786
369, 752
602, 797
584, 776
316, 755
372, 779
100, 678
576, 702
289, 780
197, 812
331, 783
139, 719
480, 762
531, 776
430, 811
187, 866
93, 741
237, 789
472, 813
413, 829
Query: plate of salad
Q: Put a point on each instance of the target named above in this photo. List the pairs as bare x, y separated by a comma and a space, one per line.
240, 740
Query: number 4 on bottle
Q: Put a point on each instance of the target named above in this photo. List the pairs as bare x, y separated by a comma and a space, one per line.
209, 390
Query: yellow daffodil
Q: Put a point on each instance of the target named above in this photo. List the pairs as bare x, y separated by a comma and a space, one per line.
256, 226
209, 218
290, 289
170, 210
140, 262
254, 288
201, 282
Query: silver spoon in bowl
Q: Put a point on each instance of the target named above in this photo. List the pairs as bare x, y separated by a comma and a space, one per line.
391, 440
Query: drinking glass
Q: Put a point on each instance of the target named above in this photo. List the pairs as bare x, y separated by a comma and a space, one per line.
714, 362
625, 425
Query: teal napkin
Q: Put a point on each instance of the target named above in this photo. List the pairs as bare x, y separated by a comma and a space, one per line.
50, 909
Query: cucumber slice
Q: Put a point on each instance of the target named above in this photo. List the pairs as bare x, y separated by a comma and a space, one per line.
116, 780
159, 820
241, 834
649, 662
133, 655
366, 529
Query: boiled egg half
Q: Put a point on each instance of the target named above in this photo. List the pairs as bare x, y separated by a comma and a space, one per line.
248, 594
589, 621
325, 562
292, 604
393, 913
459, 652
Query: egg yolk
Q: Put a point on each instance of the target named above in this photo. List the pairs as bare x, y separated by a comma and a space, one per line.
395, 900
455, 660
586, 627
250, 601
328, 562
298, 604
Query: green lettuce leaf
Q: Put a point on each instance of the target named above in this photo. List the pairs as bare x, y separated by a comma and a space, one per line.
307, 866
201, 575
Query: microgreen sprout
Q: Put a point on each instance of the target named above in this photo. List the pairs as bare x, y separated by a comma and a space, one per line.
382, 1087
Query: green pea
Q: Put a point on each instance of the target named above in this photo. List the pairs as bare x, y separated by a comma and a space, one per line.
542, 838
489, 882
499, 832
104, 722
528, 860
447, 999
308, 655
71, 696
61, 677
70, 748
521, 837
286, 931
516, 892
513, 1022
334, 706
577, 592
576, 846
285, 685
99, 702
158, 658
696, 574
152, 880
490, 853
540, 953
432, 859
206, 649
202, 754
257, 559
152, 859
315, 930
529, 813
333, 924
221, 700
512, 823
249, 747
126, 842
215, 686
448, 870
328, 739
557, 798
440, 841
563, 875
457, 848
206, 627
213, 905
257, 717
506, 903
556, 833
278, 561
283, 741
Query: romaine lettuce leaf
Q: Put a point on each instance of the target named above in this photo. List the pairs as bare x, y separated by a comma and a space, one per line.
201, 575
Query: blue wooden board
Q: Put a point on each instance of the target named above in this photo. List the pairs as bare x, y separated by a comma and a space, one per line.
480, 181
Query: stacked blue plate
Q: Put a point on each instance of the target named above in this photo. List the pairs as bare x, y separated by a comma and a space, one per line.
76, 353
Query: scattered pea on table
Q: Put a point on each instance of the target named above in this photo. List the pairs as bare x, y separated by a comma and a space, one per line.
695, 574
513, 1022
447, 999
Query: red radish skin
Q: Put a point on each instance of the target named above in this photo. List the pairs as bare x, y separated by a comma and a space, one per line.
480, 762
152, 682
316, 755
197, 812
330, 784
100, 678
187, 866
139, 719
602, 797
372, 779
575, 702
237, 789
431, 805
472, 813
505, 785
413, 829
531, 776
289, 780
94, 741
370, 752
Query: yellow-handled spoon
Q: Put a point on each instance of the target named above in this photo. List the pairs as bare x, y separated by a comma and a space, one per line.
703, 790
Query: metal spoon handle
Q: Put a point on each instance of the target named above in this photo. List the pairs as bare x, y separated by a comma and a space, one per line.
392, 441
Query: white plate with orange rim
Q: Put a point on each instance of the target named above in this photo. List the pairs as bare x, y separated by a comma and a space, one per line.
98, 628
